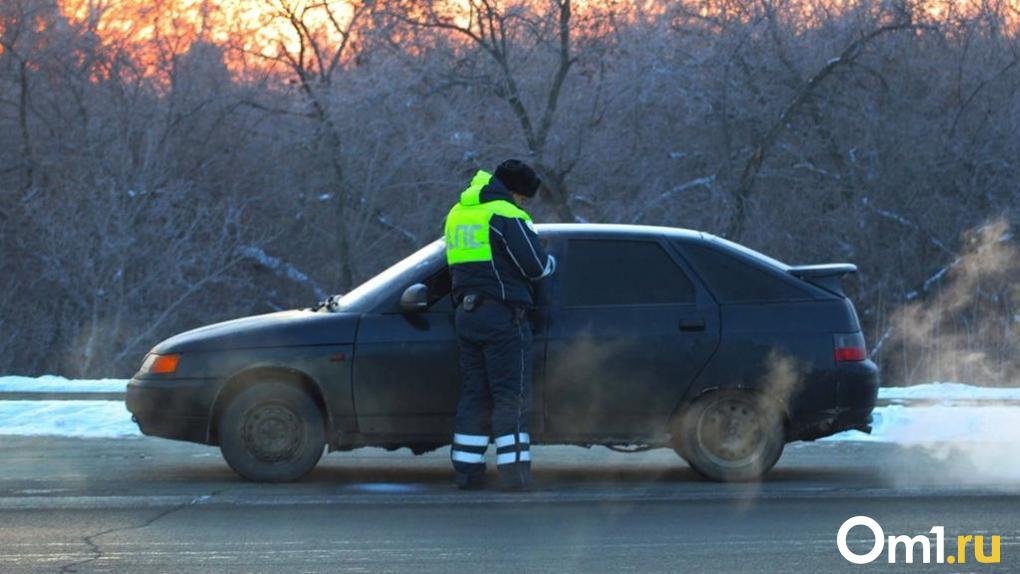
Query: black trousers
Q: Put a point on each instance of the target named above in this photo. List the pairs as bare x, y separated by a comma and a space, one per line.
495, 400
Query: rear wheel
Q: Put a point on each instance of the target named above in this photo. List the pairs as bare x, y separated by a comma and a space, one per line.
731, 435
272, 432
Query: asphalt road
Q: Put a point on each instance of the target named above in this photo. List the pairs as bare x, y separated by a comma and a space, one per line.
148, 505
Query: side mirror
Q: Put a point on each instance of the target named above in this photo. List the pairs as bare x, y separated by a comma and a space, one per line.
414, 299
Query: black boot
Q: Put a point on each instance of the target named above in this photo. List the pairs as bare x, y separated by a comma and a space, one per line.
470, 481
515, 477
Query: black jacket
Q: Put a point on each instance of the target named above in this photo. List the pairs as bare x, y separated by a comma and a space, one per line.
517, 258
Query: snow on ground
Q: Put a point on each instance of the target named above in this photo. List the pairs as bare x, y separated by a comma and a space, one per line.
939, 423
931, 392
948, 392
987, 414
931, 413
86, 419
55, 384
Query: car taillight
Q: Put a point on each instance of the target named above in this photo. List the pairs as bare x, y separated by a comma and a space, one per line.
849, 347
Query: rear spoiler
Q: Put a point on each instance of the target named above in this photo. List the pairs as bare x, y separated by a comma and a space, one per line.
828, 276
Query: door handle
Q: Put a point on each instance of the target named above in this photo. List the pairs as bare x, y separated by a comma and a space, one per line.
692, 324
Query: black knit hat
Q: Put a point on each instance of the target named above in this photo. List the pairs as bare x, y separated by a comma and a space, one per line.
518, 177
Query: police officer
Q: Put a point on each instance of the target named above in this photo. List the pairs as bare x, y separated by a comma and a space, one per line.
494, 256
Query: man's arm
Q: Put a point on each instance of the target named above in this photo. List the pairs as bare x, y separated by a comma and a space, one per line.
522, 244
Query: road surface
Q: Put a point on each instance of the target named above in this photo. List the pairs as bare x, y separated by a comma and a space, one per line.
150, 505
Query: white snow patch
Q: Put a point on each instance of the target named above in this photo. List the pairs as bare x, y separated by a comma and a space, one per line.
85, 419
948, 392
55, 384
909, 423
941, 423
972, 444
927, 392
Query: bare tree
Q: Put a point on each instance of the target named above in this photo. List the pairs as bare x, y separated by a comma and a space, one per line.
506, 33
323, 37
155, 177
847, 58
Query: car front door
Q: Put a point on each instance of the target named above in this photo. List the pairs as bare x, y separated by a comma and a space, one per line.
629, 330
406, 372
406, 379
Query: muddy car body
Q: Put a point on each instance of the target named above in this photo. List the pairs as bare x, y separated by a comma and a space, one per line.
645, 336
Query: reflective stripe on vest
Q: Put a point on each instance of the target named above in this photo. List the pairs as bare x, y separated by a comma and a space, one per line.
467, 225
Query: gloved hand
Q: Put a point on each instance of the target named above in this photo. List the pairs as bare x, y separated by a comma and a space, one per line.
550, 266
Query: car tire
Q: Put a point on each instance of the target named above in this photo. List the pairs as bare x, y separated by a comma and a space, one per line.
731, 435
272, 432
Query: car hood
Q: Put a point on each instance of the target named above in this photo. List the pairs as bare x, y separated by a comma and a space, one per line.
284, 329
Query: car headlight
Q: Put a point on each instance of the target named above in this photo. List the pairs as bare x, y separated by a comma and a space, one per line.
160, 364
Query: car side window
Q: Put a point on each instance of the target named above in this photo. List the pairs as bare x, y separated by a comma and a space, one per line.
622, 272
734, 281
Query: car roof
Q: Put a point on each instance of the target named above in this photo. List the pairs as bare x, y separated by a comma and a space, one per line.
617, 229
624, 231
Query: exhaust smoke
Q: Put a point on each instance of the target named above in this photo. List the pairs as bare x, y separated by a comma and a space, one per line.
963, 326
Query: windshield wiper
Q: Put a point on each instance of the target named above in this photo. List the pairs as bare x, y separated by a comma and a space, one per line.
331, 304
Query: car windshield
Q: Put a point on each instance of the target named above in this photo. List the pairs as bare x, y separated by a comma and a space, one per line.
747, 251
365, 295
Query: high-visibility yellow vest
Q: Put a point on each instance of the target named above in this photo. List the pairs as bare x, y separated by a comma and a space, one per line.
467, 224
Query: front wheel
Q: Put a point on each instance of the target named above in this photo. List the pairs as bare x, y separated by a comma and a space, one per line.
272, 432
731, 436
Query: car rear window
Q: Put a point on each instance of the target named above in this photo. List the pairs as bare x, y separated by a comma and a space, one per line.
734, 280
620, 272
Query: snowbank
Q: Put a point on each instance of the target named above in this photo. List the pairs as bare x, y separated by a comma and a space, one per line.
940, 423
943, 420
86, 419
940, 392
55, 384
931, 392
893, 423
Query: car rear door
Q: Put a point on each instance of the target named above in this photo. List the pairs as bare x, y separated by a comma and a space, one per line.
629, 330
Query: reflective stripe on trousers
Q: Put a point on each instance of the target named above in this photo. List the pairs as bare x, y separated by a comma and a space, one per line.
469, 449
513, 448
494, 352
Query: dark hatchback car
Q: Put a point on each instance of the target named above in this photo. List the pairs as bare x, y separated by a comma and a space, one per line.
645, 336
